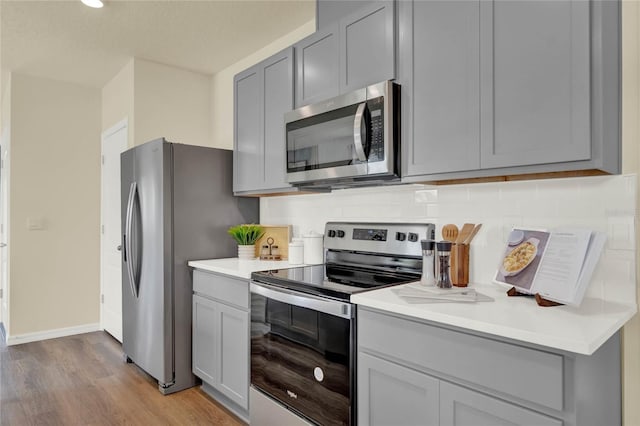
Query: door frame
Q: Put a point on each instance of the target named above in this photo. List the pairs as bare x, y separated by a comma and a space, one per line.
124, 123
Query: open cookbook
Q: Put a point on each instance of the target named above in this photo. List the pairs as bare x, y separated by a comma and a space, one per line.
556, 264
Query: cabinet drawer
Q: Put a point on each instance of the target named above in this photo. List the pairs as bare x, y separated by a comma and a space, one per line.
513, 370
222, 288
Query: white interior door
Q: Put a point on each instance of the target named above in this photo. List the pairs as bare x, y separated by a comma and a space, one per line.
114, 141
4, 249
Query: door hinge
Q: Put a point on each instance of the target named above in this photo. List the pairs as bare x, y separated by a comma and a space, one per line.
1, 293
102, 298
102, 159
102, 228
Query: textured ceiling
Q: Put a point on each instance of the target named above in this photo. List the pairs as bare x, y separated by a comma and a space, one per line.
68, 41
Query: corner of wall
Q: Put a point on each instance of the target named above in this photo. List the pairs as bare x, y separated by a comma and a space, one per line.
117, 99
221, 87
631, 164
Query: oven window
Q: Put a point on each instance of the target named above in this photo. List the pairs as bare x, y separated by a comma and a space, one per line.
301, 357
322, 141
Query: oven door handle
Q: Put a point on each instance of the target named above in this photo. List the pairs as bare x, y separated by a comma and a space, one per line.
303, 300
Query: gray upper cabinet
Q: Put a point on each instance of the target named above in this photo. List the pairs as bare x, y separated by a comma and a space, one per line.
495, 88
367, 46
535, 77
439, 65
262, 94
247, 149
350, 53
317, 75
278, 99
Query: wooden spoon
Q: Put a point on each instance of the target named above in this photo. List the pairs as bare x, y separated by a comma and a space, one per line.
450, 232
467, 228
472, 234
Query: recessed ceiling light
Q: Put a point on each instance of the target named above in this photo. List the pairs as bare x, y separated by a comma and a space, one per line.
93, 3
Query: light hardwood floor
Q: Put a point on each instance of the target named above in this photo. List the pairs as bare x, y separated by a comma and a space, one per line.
83, 380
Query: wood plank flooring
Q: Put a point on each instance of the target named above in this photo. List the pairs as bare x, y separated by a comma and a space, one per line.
83, 380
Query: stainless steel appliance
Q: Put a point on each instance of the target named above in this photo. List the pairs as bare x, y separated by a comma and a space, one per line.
303, 326
177, 205
349, 140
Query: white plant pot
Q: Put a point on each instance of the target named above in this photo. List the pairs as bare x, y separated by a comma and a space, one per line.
246, 252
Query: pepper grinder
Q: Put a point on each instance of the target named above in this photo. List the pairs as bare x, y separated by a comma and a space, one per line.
444, 254
428, 263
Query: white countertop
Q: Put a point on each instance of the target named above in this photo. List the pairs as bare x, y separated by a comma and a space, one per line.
239, 268
580, 330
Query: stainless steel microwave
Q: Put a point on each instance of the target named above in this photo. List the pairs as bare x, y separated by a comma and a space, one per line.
349, 140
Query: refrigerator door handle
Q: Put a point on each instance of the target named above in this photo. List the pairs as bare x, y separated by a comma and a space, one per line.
128, 239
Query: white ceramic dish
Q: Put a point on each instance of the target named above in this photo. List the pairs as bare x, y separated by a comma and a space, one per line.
531, 241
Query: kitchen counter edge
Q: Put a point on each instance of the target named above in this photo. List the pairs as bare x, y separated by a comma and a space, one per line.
580, 330
237, 268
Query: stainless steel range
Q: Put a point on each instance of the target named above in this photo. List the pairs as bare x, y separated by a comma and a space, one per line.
303, 326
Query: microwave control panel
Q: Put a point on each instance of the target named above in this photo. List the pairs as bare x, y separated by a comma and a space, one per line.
376, 147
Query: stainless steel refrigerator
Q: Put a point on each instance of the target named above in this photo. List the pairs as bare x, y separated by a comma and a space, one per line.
177, 206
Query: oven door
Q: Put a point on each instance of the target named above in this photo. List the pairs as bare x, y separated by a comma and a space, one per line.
302, 353
349, 136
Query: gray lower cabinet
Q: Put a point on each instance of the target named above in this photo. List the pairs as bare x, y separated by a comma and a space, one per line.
353, 52
262, 95
414, 372
493, 88
221, 338
463, 407
381, 381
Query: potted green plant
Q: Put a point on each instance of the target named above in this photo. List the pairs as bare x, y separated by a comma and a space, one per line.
246, 236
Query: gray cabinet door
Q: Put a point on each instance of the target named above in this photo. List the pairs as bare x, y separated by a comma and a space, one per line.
367, 46
535, 80
463, 407
232, 353
317, 66
278, 99
390, 394
204, 338
439, 61
248, 148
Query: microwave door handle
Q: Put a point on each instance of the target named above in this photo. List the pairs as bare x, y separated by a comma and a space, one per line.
357, 132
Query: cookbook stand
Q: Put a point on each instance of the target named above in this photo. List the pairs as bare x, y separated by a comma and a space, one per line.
539, 299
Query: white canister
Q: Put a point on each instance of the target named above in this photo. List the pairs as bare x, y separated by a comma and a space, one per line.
296, 251
313, 248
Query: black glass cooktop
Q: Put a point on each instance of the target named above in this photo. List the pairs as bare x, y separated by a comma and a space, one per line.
334, 281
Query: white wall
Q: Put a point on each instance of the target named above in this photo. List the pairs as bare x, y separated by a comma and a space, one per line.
222, 85
55, 180
170, 102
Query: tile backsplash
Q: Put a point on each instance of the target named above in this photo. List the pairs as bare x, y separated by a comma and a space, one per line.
602, 203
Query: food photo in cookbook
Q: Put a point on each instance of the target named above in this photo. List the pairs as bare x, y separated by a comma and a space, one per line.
521, 258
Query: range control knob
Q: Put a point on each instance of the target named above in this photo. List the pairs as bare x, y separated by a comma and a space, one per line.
331, 233
340, 233
401, 236
413, 237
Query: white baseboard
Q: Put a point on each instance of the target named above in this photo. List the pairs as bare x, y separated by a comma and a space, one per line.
52, 334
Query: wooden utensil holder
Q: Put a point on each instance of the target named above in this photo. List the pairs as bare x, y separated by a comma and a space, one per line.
459, 264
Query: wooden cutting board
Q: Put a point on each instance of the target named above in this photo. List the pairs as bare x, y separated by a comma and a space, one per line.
281, 235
